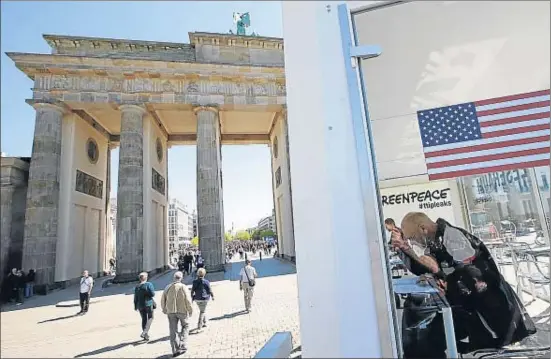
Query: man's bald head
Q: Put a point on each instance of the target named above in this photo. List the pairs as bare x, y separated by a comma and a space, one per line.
417, 226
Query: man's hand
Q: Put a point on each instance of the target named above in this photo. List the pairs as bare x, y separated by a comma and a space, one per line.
396, 239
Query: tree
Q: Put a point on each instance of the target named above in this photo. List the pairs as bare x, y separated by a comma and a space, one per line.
267, 233
256, 235
228, 237
195, 241
243, 235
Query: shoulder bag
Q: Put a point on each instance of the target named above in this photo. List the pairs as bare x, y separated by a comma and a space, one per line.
252, 282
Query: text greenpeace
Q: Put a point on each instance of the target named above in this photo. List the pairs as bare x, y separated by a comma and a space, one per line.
424, 199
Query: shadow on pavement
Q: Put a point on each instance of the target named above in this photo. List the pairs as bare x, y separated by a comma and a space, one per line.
70, 294
58, 318
110, 348
229, 316
267, 267
158, 340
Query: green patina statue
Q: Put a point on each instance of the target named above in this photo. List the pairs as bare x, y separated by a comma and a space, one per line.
242, 21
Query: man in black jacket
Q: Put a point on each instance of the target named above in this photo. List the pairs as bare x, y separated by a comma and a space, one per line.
487, 311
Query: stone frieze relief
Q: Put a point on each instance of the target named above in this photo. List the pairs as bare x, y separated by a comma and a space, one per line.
156, 85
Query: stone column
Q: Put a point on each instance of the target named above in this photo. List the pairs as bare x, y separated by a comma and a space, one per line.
41, 220
210, 216
290, 187
107, 247
130, 221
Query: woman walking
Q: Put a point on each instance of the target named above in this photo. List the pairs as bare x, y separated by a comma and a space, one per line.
144, 303
201, 293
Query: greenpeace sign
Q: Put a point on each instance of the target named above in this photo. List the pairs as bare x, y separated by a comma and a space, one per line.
433, 198
425, 199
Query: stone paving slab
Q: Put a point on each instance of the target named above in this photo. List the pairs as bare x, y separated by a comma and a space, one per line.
111, 328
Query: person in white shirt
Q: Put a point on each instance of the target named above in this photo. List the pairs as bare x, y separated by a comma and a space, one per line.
247, 281
86, 285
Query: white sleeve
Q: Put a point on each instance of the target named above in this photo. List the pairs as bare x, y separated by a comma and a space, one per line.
254, 273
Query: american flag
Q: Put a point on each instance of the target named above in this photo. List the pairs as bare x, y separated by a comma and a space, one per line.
499, 134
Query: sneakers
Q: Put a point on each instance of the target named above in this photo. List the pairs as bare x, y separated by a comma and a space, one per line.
204, 325
146, 337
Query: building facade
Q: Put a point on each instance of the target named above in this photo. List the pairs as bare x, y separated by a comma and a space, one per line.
142, 97
181, 224
267, 223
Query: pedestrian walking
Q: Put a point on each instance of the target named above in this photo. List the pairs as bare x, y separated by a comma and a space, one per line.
144, 303
86, 285
176, 304
247, 282
21, 282
201, 293
13, 285
29, 285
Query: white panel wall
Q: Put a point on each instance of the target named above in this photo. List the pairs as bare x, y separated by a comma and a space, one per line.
282, 193
329, 215
80, 238
153, 200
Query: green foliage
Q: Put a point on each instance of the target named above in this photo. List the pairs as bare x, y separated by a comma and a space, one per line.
228, 237
243, 236
267, 233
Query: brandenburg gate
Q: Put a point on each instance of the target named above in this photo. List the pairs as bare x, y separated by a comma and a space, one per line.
94, 94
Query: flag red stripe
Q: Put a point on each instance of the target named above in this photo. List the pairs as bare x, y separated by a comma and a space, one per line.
512, 97
504, 121
486, 146
526, 106
514, 166
513, 131
497, 156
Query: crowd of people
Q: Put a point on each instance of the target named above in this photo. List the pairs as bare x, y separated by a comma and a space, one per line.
18, 285
242, 248
191, 259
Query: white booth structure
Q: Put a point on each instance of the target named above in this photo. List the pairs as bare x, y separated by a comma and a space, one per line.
357, 74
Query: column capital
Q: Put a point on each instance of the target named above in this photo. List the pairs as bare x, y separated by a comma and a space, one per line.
211, 108
133, 108
52, 105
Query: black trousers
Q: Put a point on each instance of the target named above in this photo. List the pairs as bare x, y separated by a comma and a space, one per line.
146, 314
84, 302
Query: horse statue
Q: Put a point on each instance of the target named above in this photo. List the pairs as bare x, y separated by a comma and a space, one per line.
242, 21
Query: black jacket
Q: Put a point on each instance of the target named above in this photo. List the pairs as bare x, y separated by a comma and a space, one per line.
497, 303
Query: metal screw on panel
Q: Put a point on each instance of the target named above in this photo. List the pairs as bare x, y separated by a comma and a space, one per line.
328, 7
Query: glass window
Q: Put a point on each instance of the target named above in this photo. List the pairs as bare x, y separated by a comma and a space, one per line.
505, 203
543, 179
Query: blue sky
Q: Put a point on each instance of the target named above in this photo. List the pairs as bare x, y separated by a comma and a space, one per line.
247, 179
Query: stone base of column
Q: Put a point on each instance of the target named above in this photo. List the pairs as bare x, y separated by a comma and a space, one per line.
126, 277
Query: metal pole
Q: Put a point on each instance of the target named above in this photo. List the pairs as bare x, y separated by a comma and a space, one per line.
449, 331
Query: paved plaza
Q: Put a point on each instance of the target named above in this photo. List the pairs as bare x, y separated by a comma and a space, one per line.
39, 328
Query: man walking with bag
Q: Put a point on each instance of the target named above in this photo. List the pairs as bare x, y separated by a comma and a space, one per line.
176, 304
247, 281
144, 303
